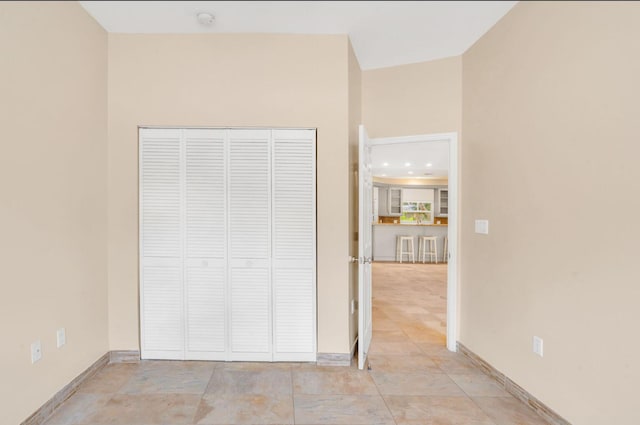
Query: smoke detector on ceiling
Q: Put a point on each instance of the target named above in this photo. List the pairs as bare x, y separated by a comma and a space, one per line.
205, 18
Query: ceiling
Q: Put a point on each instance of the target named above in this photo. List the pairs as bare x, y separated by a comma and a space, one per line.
417, 155
383, 33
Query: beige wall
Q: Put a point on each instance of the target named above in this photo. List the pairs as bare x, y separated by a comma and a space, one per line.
53, 181
407, 100
355, 119
550, 106
230, 80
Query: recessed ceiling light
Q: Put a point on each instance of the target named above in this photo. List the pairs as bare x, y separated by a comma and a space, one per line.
205, 18
410, 172
385, 164
383, 175
429, 164
407, 164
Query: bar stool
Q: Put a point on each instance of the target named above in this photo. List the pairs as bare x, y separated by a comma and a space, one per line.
433, 248
400, 252
445, 253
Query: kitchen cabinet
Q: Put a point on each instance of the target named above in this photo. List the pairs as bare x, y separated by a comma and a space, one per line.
383, 201
443, 198
395, 201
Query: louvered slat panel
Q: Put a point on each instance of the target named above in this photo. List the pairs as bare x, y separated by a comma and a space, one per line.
250, 310
294, 213
206, 309
293, 196
205, 193
161, 280
249, 197
205, 235
160, 192
162, 310
294, 311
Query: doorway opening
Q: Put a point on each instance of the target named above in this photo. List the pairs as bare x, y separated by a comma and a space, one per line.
415, 191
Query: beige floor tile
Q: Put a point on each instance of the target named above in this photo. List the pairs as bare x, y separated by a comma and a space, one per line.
403, 363
77, 409
428, 384
457, 364
419, 331
170, 377
341, 410
385, 325
255, 366
147, 409
229, 381
393, 335
235, 409
404, 347
479, 386
419, 410
110, 379
435, 349
508, 411
172, 365
338, 382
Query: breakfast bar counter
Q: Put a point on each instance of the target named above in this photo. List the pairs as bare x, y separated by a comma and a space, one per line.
384, 238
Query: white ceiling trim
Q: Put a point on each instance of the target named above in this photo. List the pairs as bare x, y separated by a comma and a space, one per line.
383, 33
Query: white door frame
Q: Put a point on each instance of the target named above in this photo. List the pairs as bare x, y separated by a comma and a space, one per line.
365, 228
452, 269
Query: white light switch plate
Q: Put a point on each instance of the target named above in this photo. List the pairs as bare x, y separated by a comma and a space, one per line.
538, 345
482, 226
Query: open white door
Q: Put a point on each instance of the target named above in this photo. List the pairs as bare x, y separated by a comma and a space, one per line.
365, 218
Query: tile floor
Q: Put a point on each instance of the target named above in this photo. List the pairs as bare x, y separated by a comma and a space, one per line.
413, 378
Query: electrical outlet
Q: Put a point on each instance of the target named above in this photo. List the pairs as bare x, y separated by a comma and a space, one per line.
538, 345
61, 337
482, 227
36, 351
353, 306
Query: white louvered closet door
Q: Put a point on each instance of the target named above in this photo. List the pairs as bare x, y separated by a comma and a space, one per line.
205, 212
161, 270
249, 247
227, 244
294, 244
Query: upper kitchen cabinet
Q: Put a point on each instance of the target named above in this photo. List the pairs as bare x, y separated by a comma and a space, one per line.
395, 199
383, 201
443, 198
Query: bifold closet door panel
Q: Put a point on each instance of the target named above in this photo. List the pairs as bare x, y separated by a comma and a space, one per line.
205, 244
294, 244
249, 246
161, 269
